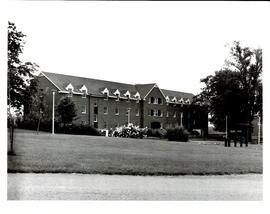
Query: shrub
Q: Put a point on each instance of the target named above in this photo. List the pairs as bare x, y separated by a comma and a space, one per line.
77, 130
130, 131
160, 133
177, 134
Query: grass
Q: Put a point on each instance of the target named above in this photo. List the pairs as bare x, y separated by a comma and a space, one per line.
89, 154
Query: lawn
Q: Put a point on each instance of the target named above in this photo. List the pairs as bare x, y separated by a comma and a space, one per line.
89, 154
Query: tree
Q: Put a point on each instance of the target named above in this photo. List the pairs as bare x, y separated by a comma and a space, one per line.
34, 103
66, 111
19, 74
235, 90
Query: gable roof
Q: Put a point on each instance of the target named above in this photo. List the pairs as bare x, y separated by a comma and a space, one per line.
171, 94
95, 86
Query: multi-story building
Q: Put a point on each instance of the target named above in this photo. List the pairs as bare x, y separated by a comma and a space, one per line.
105, 104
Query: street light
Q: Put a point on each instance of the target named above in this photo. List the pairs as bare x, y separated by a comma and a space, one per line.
53, 95
128, 110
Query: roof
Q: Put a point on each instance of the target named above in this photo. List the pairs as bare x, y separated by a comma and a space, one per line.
171, 94
95, 86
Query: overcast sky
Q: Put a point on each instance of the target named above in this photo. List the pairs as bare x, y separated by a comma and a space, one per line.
172, 44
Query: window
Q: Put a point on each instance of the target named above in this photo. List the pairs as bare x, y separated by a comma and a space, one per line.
95, 110
156, 101
116, 111
105, 110
152, 112
160, 101
137, 112
152, 100
95, 118
84, 109
159, 113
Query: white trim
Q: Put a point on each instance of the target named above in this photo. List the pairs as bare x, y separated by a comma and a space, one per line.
174, 100
105, 91
117, 92
187, 101
155, 86
127, 93
137, 95
181, 101
50, 81
83, 88
70, 86
67, 92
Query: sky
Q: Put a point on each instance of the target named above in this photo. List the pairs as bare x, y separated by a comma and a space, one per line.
172, 44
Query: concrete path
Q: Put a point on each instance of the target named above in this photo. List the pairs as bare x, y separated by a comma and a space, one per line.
31, 186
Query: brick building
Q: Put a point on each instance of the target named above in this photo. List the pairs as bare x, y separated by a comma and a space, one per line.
106, 104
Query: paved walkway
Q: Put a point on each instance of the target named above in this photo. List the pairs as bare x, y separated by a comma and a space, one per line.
30, 186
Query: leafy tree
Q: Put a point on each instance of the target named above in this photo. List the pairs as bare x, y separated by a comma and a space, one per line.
66, 111
34, 103
19, 73
235, 90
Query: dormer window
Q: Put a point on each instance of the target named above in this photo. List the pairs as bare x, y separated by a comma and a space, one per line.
187, 101
117, 94
137, 96
70, 89
106, 93
174, 100
181, 101
127, 95
83, 89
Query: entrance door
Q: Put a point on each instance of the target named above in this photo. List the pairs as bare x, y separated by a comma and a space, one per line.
155, 125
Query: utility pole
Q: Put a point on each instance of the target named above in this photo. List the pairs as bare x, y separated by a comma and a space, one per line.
128, 116
53, 93
259, 129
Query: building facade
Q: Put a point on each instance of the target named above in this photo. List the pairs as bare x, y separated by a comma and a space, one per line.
105, 104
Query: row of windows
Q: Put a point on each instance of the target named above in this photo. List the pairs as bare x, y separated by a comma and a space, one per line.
153, 100
159, 113
116, 111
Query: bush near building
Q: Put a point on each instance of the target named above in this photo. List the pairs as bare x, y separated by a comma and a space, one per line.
177, 134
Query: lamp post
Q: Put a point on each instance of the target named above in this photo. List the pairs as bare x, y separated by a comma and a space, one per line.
181, 119
53, 95
259, 129
128, 115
